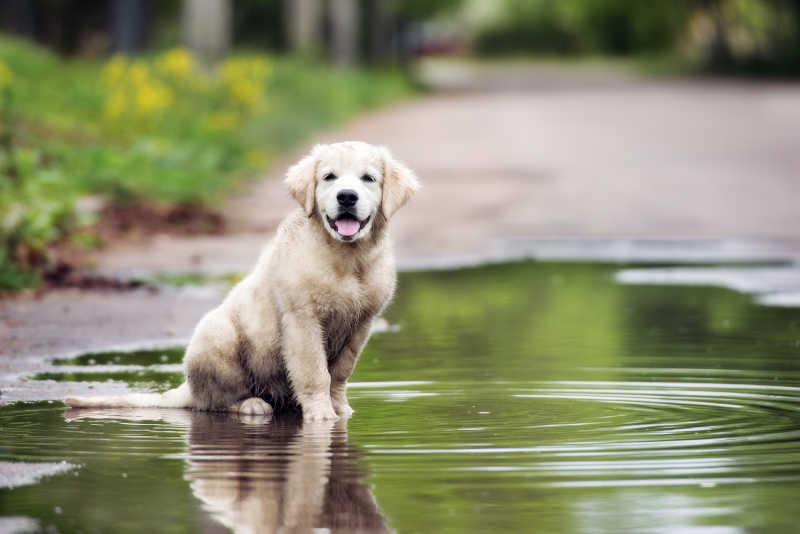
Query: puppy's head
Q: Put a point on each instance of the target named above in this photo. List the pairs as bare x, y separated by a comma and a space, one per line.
349, 185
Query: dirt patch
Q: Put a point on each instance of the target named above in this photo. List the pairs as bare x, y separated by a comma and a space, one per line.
132, 220
70, 264
65, 275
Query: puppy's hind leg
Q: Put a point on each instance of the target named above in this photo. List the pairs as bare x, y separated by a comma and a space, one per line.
214, 365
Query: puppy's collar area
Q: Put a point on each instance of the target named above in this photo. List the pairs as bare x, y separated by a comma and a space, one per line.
346, 225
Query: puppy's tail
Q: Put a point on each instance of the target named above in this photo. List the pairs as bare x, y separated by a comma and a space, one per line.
180, 397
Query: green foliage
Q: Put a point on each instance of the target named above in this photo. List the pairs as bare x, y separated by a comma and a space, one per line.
12, 276
158, 130
421, 9
585, 26
627, 26
36, 208
759, 37
538, 27
748, 36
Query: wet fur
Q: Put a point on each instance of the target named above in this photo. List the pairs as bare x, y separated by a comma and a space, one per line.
291, 331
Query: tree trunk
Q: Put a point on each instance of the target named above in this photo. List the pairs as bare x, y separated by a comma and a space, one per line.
379, 27
128, 25
721, 56
206, 26
304, 22
344, 30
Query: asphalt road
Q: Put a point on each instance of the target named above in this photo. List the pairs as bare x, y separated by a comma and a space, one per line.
628, 158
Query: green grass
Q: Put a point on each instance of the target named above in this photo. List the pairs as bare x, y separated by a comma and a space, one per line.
184, 279
157, 130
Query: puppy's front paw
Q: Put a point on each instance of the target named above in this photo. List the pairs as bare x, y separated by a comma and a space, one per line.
319, 412
255, 406
343, 409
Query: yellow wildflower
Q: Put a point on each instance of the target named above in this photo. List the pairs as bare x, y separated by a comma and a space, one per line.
115, 105
244, 78
138, 73
256, 69
260, 68
224, 120
114, 71
152, 98
230, 70
256, 158
246, 92
6, 76
177, 63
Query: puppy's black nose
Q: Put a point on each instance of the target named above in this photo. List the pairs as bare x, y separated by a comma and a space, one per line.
347, 198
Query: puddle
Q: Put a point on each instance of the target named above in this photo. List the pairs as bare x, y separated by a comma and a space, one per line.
157, 356
152, 369
522, 397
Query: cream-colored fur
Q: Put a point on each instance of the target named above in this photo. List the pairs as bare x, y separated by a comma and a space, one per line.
289, 334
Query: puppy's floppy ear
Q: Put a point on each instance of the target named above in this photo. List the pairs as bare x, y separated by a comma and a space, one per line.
300, 180
399, 183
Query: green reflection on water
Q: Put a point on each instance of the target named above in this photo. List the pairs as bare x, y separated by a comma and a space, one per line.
142, 379
134, 357
522, 397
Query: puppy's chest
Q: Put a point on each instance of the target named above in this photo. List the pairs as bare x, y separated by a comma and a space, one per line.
346, 298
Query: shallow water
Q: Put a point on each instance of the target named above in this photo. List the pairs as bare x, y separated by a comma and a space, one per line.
525, 397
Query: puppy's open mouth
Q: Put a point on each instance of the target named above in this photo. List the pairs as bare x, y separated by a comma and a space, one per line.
347, 225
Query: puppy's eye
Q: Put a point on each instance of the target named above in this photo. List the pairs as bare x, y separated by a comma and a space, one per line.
329, 177
368, 178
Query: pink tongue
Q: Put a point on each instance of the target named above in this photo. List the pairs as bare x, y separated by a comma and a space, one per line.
347, 227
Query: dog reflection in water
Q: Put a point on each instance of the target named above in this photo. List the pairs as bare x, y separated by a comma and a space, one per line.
260, 475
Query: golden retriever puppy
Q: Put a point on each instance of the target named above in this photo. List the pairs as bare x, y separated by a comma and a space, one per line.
289, 334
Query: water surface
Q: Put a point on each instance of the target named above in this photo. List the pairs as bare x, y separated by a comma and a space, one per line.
525, 397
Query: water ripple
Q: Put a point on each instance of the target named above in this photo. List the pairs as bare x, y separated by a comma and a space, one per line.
648, 433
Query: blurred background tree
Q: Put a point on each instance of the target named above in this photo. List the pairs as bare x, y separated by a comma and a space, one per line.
345, 31
730, 36
745, 36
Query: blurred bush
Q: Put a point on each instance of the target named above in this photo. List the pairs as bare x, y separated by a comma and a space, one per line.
35, 207
747, 36
584, 26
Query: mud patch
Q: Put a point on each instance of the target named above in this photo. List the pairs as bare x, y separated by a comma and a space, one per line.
133, 220
66, 275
